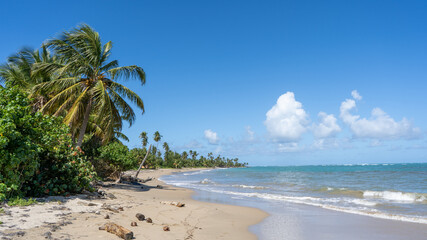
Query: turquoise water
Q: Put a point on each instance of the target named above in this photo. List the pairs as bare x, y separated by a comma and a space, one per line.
390, 191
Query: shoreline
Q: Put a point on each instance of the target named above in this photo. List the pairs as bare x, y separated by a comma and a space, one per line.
80, 218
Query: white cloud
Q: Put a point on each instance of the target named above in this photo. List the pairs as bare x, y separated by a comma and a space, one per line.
379, 126
289, 147
250, 135
286, 121
356, 95
211, 136
327, 126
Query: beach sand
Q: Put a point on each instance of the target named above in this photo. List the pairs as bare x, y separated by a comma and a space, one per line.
79, 218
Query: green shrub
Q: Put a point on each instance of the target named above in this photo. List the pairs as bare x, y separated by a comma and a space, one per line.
36, 157
117, 156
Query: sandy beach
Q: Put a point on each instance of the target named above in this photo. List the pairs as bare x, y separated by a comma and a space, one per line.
80, 217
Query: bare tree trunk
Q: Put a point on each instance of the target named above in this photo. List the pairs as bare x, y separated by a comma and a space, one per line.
142, 163
84, 124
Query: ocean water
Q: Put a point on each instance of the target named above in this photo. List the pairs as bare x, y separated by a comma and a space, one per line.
388, 191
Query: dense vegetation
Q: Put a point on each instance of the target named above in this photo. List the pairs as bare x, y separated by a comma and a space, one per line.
61, 115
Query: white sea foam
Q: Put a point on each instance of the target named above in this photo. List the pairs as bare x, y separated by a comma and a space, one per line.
206, 181
396, 196
326, 203
249, 186
197, 172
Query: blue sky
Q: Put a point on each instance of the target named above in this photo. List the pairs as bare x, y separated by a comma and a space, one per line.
216, 68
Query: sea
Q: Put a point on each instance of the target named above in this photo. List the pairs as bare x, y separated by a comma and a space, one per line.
385, 191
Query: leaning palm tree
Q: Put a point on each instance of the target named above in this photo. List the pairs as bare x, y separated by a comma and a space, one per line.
86, 83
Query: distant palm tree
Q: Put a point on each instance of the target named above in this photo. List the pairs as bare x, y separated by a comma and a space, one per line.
86, 83
144, 138
166, 147
157, 136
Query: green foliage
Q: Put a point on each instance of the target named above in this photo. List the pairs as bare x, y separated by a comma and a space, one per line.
117, 156
17, 201
36, 157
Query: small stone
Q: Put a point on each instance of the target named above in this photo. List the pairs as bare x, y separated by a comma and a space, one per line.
47, 235
97, 212
107, 216
159, 187
133, 224
149, 220
120, 209
92, 204
180, 204
166, 228
140, 216
111, 196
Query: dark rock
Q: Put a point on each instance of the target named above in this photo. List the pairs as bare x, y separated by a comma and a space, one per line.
166, 228
107, 216
47, 235
159, 186
133, 224
140, 216
149, 220
120, 209
92, 204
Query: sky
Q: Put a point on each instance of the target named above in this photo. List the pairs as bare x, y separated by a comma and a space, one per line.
269, 82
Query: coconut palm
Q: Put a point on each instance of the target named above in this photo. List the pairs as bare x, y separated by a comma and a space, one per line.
86, 83
18, 71
157, 137
144, 138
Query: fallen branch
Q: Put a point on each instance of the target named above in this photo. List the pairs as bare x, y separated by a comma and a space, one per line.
117, 230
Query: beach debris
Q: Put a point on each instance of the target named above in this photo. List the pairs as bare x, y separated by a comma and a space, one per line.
117, 230
108, 207
133, 224
149, 220
47, 235
14, 234
107, 216
166, 228
178, 204
111, 196
146, 180
140, 216
159, 187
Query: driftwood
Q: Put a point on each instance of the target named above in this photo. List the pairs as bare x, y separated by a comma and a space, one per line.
132, 179
108, 207
178, 204
117, 230
142, 163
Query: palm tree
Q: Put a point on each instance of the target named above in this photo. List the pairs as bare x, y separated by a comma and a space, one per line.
144, 138
157, 136
166, 147
18, 71
86, 83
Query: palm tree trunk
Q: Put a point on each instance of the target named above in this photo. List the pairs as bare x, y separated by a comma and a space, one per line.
143, 161
84, 124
